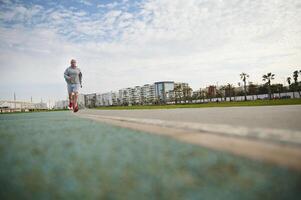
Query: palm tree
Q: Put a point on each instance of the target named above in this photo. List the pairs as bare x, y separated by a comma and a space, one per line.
296, 75
202, 95
268, 77
288, 79
199, 96
253, 90
219, 94
177, 92
187, 93
243, 77
298, 85
280, 89
224, 88
230, 89
277, 88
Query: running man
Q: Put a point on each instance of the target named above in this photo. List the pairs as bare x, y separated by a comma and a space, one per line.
73, 77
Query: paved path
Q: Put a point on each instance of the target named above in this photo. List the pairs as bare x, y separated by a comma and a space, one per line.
276, 117
269, 133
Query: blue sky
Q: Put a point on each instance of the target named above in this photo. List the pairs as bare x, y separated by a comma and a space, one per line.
125, 43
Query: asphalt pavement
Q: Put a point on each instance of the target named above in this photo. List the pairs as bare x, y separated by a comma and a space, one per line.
268, 133
275, 117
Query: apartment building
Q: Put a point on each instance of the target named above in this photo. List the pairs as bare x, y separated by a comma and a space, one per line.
182, 91
164, 91
16, 106
90, 100
148, 93
98, 99
41, 106
139, 95
115, 99
126, 96
211, 91
63, 104
137, 98
81, 100
104, 99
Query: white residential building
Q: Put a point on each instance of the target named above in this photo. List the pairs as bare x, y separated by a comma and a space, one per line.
81, 100
115, 99
104, 99
63, 104
90, 100
41, 106
147, 93
136, 95
126, 96
16, 106
120, 97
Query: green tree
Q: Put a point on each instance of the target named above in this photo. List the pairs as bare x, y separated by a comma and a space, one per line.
178, 93
267, 78
280, 89
252, 88
296, 84
219, 94
277, 88
187, 93
202, 94
194, 96
296, 75
224, 89
243, 77
289, 81
229, 91
263, 89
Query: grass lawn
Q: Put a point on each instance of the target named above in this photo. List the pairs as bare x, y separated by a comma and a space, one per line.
56, 155
211, 104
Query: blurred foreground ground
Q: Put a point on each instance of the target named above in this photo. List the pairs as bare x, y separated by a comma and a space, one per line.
58, 155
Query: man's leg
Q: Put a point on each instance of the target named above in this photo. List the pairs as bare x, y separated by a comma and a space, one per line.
75, 106
75, 98
70, 100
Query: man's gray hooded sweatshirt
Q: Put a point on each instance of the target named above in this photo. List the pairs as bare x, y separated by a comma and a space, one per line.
75, 74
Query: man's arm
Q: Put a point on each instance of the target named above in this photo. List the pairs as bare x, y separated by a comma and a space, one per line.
66, 75
80, 75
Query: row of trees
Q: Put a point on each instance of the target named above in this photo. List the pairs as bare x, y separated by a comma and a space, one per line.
267, 78
184, 94
295, 85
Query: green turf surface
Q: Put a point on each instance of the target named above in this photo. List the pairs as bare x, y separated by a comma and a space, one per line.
57, 155
34, 111
210, 104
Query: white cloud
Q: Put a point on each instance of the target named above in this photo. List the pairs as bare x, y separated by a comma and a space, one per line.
86, 2
109, 5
